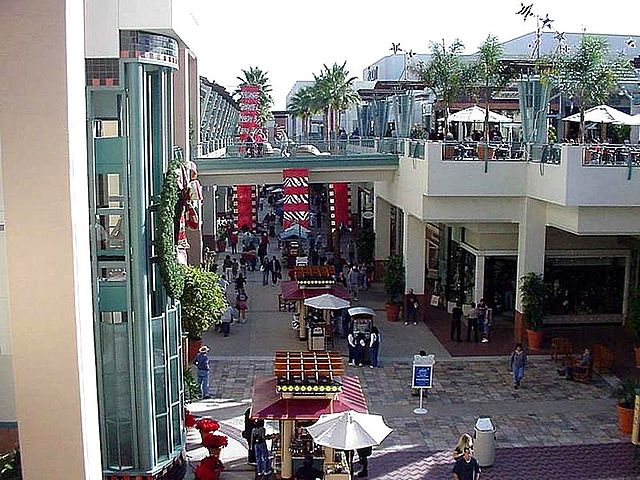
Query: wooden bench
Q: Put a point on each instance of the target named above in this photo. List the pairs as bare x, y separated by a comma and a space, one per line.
602, 358
560, 348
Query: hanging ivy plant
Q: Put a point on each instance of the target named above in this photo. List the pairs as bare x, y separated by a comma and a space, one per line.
170, 270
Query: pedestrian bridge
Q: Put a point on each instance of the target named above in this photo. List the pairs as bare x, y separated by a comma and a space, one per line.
348, 167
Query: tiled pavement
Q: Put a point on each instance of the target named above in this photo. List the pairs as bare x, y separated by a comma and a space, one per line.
548, 429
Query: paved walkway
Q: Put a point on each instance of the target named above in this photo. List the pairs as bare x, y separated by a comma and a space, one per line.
548, 429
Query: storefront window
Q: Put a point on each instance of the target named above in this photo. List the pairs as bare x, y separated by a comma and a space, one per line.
584, 286
461, 282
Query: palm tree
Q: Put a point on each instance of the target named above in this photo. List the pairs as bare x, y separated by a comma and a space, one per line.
341, 92
490, 74
255, 76
588, 76
333, 92
303, 105
444, 73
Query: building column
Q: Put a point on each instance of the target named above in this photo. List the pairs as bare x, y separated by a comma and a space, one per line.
43, 109
414, 248
479, 280
181, 103
531, 251
381, 226
414, 240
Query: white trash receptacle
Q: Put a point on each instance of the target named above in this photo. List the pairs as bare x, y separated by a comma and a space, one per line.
484, 446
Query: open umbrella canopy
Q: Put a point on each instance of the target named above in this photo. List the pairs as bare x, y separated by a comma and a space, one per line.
294, 231
602, 114
326, 301
477, 114
349, 430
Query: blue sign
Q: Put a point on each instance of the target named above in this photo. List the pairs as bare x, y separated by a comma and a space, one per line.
422, 376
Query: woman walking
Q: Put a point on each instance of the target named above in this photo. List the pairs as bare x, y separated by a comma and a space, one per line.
241, 304
517, 364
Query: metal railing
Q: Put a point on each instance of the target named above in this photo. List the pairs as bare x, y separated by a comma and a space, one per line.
494, 151
609, 155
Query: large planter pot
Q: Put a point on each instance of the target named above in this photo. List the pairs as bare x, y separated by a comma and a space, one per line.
222, 245
393, 311
214, 451
194, 346
625, 419
535, 338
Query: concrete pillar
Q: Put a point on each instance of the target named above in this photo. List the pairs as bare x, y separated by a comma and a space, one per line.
42, 109
181, 103
531, 251
479, 281
287, 436
382, 228
414, 246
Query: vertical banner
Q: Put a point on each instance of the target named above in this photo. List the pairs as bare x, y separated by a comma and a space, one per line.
339, 204
244, 205
295, 183
249, 106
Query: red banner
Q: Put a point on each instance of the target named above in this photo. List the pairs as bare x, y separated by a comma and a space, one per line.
245, 206
339, 202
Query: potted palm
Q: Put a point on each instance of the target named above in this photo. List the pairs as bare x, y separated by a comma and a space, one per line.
626, 395
203, 302
633, 323
393, 285
533, 291
221, 243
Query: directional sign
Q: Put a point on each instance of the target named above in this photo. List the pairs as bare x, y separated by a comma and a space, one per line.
422, 376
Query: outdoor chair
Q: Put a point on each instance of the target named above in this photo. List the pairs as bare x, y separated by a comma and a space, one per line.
602, 358
560, 348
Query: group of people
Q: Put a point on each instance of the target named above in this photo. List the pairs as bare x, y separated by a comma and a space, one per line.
256, 436
359, 343
479, 322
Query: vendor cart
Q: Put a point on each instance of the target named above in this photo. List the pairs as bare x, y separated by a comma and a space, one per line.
362, 324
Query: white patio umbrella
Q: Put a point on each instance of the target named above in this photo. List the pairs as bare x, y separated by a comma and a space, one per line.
603, 114
326, 301
349, 430
477, 114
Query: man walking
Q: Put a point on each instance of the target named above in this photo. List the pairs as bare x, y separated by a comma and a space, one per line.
472, 322
412, 308
202, 363
267, 266
227, 318
276, 270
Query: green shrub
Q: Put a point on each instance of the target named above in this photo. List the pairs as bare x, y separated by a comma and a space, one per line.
394, 282
202, 302
533, 291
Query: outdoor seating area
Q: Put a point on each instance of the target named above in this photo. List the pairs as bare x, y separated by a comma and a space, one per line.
476, 150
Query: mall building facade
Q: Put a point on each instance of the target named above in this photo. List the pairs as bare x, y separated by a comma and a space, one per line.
467, 234
96, 99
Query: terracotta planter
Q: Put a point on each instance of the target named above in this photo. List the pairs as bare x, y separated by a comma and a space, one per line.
194, 346
637, 350
214, 451
625, 419
535, 338
393, 311
222, 245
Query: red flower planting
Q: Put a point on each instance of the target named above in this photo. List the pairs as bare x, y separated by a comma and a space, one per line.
189, 419
209, 469
207, 425
212, 440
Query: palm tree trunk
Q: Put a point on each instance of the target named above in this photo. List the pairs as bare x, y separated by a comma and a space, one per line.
486, 126
581, 125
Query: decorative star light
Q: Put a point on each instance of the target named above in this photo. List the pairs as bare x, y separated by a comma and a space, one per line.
631, 43
546, 22
395, 48
525, 11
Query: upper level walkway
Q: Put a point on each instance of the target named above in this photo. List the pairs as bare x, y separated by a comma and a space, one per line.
338, 163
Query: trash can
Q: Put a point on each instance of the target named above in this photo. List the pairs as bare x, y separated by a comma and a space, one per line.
316, 337
484, 446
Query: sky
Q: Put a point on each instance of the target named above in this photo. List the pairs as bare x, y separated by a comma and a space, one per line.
291, 40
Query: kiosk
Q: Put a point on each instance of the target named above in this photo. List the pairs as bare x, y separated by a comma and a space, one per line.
361, 324
304, 386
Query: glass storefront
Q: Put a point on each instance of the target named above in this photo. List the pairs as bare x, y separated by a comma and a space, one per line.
585, 286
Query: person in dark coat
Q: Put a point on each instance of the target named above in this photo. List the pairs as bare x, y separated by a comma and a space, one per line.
276, 271
249, 424
456, 323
